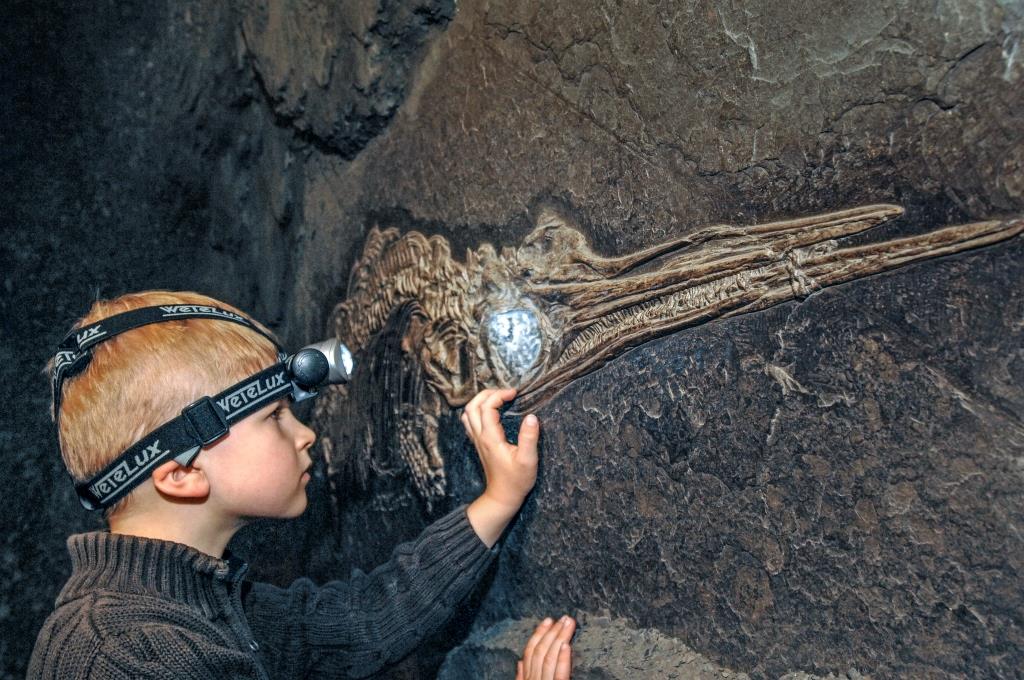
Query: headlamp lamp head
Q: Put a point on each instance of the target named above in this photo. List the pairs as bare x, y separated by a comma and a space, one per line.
308, 368
339, 359
324, 363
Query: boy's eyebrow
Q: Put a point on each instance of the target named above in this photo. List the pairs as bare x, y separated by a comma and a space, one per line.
274, 405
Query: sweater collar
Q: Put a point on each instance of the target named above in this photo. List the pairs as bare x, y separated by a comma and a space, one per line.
173, 571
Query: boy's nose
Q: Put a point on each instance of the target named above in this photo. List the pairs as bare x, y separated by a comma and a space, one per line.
304, 437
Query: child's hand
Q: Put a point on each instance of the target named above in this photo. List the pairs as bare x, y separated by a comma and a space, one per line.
510, 471
547, 655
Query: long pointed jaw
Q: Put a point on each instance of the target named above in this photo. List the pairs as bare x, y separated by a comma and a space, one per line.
716, 272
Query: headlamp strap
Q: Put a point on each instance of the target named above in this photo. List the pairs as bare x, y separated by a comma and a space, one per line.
73, 353
200, 423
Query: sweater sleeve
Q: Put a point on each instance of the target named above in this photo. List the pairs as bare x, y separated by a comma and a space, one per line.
351, 629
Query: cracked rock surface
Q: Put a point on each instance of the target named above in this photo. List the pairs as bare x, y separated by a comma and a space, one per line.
337, 72
831, 484
860, 510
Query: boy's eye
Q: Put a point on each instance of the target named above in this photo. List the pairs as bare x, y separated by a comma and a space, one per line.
277, 412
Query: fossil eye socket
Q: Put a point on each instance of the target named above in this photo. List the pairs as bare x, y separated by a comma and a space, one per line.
514, 341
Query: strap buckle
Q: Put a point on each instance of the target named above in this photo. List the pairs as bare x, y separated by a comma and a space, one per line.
205, 421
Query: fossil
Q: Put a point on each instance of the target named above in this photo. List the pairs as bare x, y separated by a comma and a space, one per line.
429, 332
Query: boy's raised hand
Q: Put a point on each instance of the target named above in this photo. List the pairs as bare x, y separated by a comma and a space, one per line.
510, 470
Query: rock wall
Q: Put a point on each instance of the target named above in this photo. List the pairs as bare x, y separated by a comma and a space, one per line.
830, 486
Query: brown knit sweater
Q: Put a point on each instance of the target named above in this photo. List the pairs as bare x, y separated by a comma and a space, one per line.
143, 608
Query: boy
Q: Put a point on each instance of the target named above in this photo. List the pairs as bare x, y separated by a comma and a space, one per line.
158, 596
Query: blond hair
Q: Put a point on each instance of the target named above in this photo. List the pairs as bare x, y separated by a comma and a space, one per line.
140, 379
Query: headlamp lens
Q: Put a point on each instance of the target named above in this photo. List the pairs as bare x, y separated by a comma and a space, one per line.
338, 356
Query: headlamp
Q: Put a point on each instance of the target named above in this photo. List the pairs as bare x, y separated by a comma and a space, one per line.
328, 362
298, 376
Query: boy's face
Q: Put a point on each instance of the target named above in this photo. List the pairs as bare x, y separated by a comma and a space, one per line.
260, 468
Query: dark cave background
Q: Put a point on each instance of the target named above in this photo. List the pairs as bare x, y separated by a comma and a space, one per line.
864, 520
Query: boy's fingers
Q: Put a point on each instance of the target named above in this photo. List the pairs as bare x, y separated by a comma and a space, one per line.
490, 424
483, 414
540, 653
551, 660
563, 668
533, 668
489, 405
531, 644
490, 419
529, 433
472, 410
556, 657
498, 397
473, 415
546, 655
566, 628
480, 397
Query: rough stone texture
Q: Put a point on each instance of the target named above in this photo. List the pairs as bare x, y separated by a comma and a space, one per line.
835, 482
826, 485
337, 72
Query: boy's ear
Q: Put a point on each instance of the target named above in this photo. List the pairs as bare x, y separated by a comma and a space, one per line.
171, 479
